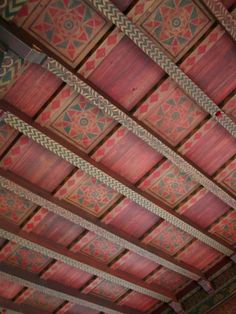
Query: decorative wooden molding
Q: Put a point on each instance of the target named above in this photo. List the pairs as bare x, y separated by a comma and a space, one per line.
223, 16
53, 143
153, 51
70, 212
58, 290
78, 260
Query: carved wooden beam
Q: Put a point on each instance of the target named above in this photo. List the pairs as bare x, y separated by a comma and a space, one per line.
224, 17
58, 290
38, 196
78, 84
77, 158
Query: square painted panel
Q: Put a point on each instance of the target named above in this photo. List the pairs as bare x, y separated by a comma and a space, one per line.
55, 228
176, 25
43, 301
200, 255
76, 119
226, 228
135, 265
67, 275
13, 207
227, 177
127, 155
36, 164
105, 289
9, 289
170, 184
138, 301
68, 28
27, 259
203, 208
79, 309
88, 193
31, 86
131, 218
7, 134
126, 74
97, 247
168, 238
168, 278
170, 113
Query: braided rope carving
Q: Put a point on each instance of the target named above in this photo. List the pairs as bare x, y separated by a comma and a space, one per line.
58, 210
89, 169
115, 113
57, 294
79, 265
152, 50
223, 16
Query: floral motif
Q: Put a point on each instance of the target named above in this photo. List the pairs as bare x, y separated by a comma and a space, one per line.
93, 196
13, 207
169, 238
230, 181
175, 23
67, 26
43, 301
171, 185
226, 228
28, 259
174, 117
108, 290
82, 123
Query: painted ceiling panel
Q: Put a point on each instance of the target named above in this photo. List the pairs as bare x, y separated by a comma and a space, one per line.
77, 309
9, 289
36, 164
131, 218
138, 301
126, 74
127, 155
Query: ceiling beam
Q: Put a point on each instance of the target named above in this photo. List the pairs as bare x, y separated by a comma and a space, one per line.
222, 15
116, 112
74, 214
17, 308
52, 142
114, 15
83, 262
58, 290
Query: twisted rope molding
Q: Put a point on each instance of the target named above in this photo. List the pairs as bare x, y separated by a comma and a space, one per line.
56, 294
153, 51
91, 170
220, 12
58, 210
79, 265
112, 111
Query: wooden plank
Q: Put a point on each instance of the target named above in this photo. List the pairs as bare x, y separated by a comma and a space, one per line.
19, 308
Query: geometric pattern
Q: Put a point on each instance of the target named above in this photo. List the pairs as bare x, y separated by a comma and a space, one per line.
175, 23
168, 238
173, 117
82, 123
226, 228
105, 289
93, 196
11, 9
13, 207
138, 301
169, 183
67, 27
167, 278
97, 247
43, 301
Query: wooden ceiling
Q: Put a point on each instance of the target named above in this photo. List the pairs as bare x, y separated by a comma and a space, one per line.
117, 156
